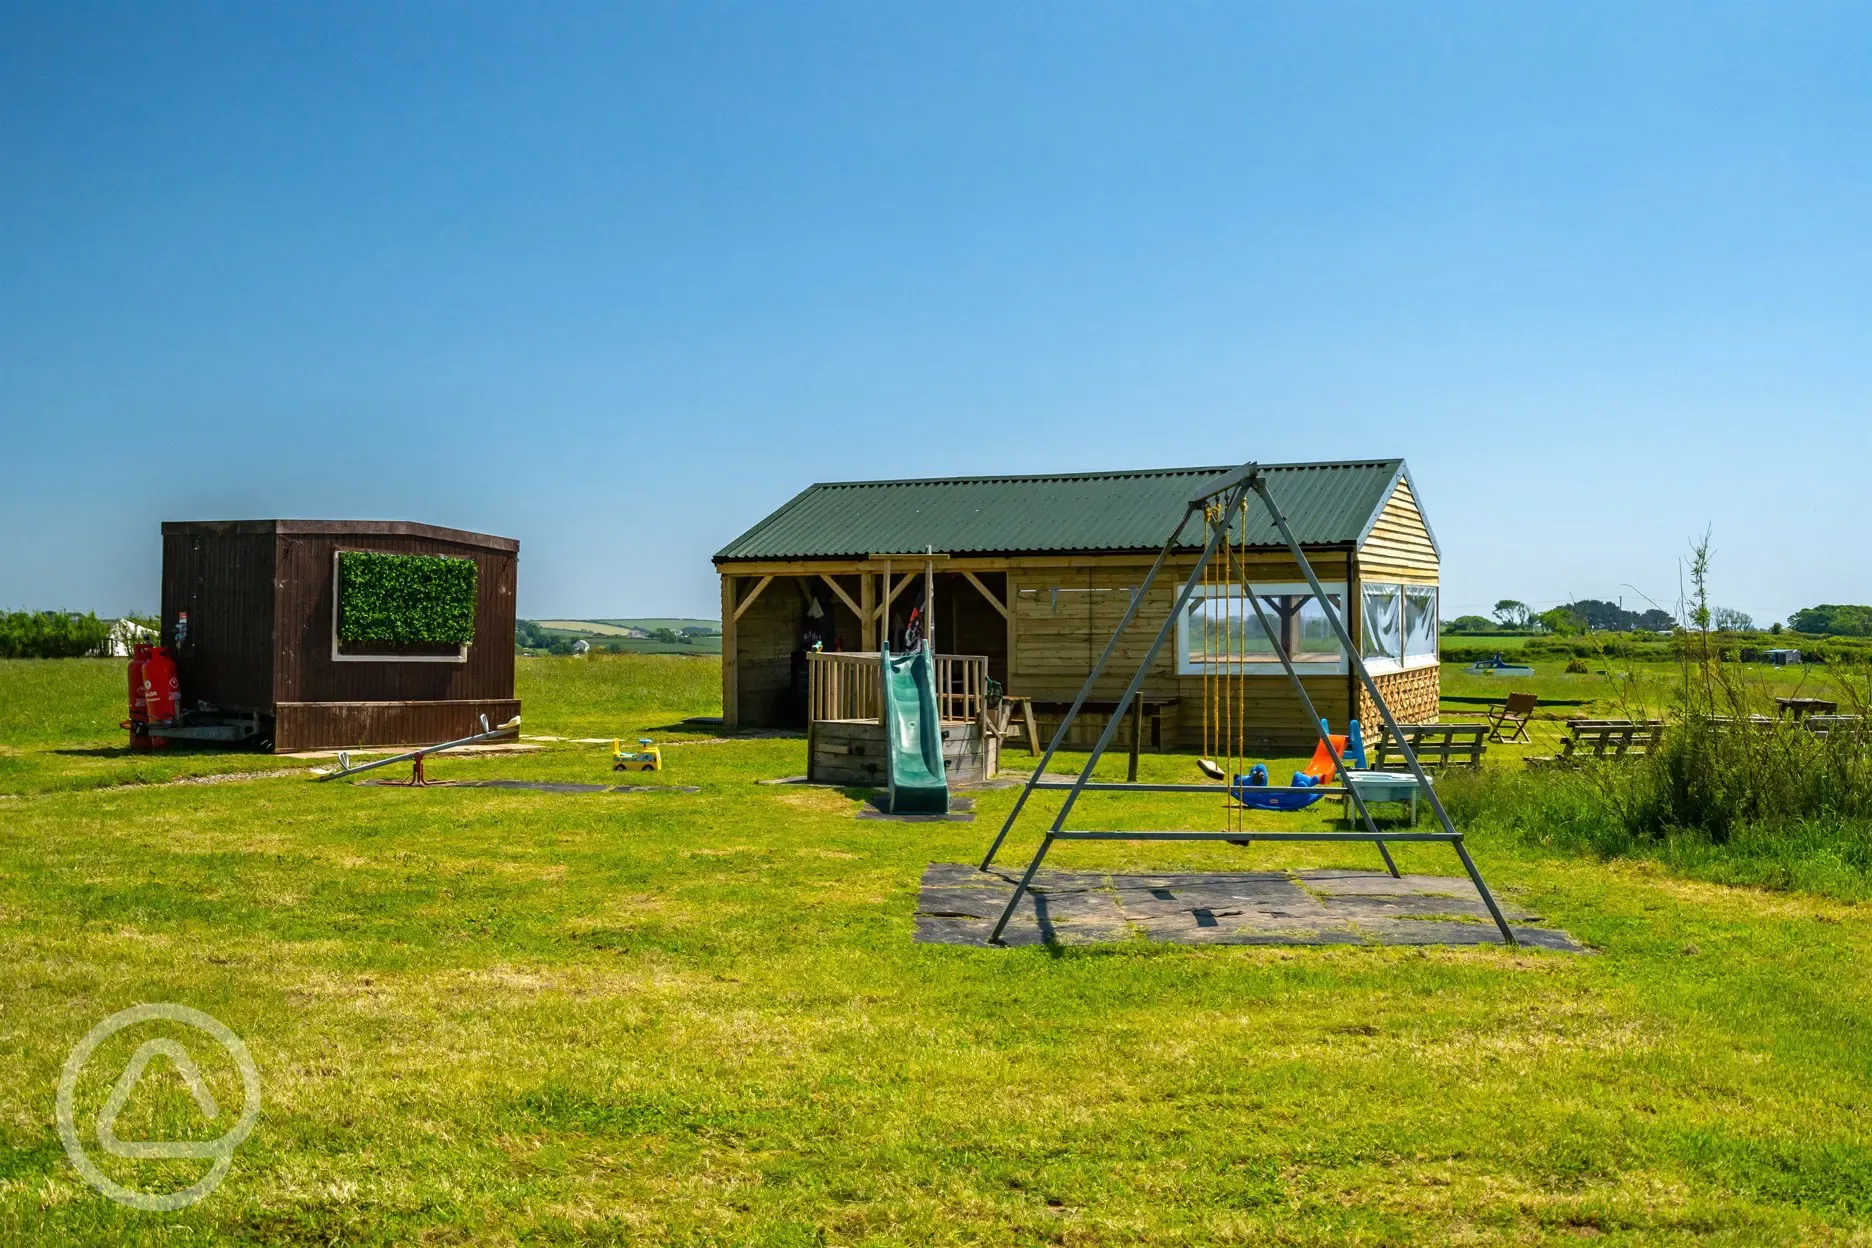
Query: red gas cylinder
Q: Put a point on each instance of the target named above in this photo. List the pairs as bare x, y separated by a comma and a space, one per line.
162, 692
139, 705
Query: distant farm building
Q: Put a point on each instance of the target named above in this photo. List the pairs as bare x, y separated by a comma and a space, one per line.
1033, 573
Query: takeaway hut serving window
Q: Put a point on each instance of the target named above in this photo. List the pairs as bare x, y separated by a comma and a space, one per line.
1398, 625
1220, 632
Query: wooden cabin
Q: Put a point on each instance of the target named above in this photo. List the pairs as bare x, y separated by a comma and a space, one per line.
251, 610
1032, 573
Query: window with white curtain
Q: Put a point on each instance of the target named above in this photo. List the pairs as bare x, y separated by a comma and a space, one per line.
1420, 624
1382, 637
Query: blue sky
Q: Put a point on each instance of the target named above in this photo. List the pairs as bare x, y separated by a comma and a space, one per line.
619, 279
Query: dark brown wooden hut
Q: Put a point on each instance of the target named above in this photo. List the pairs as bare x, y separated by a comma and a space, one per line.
260, 635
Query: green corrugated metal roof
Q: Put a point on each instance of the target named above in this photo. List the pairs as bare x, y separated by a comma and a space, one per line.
1093, 511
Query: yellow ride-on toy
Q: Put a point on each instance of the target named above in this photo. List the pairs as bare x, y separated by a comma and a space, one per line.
650, 758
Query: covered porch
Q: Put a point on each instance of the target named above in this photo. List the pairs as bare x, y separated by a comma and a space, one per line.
775, 615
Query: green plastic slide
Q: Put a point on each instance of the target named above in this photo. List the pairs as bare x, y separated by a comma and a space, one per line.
914, 735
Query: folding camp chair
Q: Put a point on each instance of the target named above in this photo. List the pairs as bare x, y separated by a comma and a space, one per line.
1513, 716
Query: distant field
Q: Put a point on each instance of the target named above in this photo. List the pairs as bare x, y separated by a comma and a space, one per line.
709, 645
597, 628
651, 622
613, 634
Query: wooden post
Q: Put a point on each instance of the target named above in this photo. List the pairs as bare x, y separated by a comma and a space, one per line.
1137, 738
867, 612
729, 696
929, 602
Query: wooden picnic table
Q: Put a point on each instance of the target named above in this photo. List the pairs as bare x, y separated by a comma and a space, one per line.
1799, 708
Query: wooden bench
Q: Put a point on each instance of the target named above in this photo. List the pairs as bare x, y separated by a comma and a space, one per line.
1827, 725
1602, 739
1435, 745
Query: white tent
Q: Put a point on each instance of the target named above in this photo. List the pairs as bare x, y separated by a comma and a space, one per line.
124, 635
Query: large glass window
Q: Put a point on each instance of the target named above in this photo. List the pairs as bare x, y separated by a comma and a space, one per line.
1420, 623
1222, 632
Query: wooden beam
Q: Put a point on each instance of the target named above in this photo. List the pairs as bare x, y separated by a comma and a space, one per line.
867, 615
729, 683
843, 596
754, 593
994, 602
891, 593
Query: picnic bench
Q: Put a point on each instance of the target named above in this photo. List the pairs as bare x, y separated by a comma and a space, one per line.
1604, 739
1435, 745
1799, 708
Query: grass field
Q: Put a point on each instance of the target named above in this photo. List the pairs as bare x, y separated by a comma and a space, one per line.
500, 1017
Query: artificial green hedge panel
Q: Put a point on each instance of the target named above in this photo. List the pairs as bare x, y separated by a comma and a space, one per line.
405, 598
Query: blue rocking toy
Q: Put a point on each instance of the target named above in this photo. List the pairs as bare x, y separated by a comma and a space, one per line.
1318, 771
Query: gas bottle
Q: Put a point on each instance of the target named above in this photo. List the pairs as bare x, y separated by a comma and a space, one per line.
139, 704
162, 693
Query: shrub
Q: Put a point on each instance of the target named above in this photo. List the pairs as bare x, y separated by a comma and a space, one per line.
51, 634
1576, 667
405, 598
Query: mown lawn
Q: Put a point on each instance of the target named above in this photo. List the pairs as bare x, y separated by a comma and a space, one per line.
504, 1017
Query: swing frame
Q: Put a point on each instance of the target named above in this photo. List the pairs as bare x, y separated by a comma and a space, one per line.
1248, 479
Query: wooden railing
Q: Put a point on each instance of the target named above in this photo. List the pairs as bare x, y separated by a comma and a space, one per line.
844, 685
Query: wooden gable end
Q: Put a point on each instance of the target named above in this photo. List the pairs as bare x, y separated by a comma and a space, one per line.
1399, 545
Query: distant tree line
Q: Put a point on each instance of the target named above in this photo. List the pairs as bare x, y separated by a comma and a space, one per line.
51, 634
1833, 620
1594, 615
1511, 615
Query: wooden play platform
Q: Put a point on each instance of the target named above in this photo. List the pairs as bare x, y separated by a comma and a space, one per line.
845, 725
958, 905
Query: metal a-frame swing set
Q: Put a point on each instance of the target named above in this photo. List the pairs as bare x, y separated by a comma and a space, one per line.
1223, 509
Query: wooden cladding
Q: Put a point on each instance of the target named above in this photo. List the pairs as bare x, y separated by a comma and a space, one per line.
1399, 547
260, 602
852, 753
343, 725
